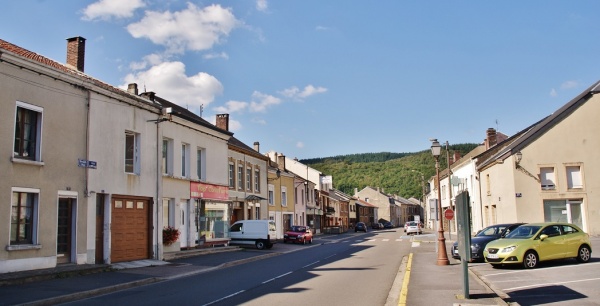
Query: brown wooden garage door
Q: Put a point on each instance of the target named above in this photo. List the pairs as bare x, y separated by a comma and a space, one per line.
130, 234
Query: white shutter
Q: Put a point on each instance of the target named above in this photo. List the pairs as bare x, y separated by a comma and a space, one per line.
547, 178
574, 177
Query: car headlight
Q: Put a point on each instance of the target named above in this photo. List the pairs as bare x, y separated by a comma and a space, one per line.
508, 249
475, 247
300, 236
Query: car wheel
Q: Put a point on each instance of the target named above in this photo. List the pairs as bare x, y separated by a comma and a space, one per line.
530, 260
584, 254
260, 244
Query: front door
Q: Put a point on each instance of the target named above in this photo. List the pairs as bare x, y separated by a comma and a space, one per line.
64, 230
184, 225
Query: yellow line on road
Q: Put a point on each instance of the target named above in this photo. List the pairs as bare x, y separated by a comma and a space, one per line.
404, 290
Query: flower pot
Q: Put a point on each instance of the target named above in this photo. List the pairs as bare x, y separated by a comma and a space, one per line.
174, 247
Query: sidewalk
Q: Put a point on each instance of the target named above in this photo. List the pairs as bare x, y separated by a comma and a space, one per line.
426, 283
430, 284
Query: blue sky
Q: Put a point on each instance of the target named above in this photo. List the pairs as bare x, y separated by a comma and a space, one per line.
324, 78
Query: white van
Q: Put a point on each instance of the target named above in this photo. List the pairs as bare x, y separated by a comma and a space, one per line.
260, 233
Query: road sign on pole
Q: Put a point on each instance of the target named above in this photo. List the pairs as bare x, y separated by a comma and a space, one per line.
449, 214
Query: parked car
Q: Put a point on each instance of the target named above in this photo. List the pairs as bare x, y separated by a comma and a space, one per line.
299, 234
483, 237
406, 226
388, 225
377, 226
414, 227
360, 226
530, 244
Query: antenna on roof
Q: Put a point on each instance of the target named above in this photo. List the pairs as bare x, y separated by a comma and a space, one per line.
144, 86
201, 109
497, 125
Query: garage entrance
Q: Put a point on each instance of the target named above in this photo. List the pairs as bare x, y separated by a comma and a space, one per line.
130, 229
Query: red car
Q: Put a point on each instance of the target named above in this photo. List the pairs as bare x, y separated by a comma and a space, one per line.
298, 233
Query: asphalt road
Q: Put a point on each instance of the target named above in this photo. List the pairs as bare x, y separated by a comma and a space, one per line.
359, 269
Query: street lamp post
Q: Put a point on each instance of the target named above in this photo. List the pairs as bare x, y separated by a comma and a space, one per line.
442, 259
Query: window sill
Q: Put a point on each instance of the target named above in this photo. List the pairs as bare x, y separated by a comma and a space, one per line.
22, 247
26, 161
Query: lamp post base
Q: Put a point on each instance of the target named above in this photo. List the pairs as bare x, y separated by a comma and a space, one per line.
442, 259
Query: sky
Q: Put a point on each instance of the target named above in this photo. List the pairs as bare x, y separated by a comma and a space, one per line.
320, 78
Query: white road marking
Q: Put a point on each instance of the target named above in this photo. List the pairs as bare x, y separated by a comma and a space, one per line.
549, 284
274, 278
224, 298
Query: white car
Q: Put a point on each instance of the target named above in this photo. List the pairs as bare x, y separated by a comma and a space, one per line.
413, 227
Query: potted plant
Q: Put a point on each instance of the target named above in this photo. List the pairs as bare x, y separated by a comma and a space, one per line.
170, 235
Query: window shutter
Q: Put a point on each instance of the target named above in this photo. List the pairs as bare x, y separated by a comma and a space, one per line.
547, 178
574, 177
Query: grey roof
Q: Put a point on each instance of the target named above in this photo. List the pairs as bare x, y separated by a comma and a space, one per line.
525, 137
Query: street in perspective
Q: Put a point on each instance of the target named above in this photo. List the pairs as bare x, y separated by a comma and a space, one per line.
380, 267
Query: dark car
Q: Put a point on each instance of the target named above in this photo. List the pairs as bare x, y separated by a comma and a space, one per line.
388, 225
360, 226
377, 226
483, 237
300, 234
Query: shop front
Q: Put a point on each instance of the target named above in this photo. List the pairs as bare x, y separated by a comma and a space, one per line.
213, 211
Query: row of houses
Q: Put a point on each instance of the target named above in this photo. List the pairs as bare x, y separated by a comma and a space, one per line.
95, 173
544, 173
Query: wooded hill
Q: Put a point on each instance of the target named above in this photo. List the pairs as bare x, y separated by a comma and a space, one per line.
391, 171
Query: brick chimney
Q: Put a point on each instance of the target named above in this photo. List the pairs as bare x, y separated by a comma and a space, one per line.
132, 89
455, 156
256, 146
223, 121
76, 52
491, 138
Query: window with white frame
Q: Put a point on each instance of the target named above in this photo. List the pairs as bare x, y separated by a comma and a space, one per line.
28, 132
231, 175
240, 175
24, 216
547, 178
168, 219
256, 180
200, 152
283, 196
132, 163
185, 160
249, 178
574, 180
271, 195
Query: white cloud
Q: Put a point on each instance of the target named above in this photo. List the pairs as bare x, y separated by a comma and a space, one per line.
322, 28
262, 5
295, 93
259, 121
232, 107
222, 55
106, 9
263, 101
300, 144
190, 29
553, 93
168, 80
148, 60
569, 85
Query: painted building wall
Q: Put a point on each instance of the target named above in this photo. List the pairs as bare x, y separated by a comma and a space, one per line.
56, 173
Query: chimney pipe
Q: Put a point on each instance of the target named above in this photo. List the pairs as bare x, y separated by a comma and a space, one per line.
223, 121
76, 52
149, 95
132, 89
281, 161
492, 139
256, 146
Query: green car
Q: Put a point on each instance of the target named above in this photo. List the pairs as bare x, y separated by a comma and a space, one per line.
531, 243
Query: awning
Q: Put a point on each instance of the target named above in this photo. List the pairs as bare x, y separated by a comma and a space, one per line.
253, 197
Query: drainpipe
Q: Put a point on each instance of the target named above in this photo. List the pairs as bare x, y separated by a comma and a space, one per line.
159, 253
87, 142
